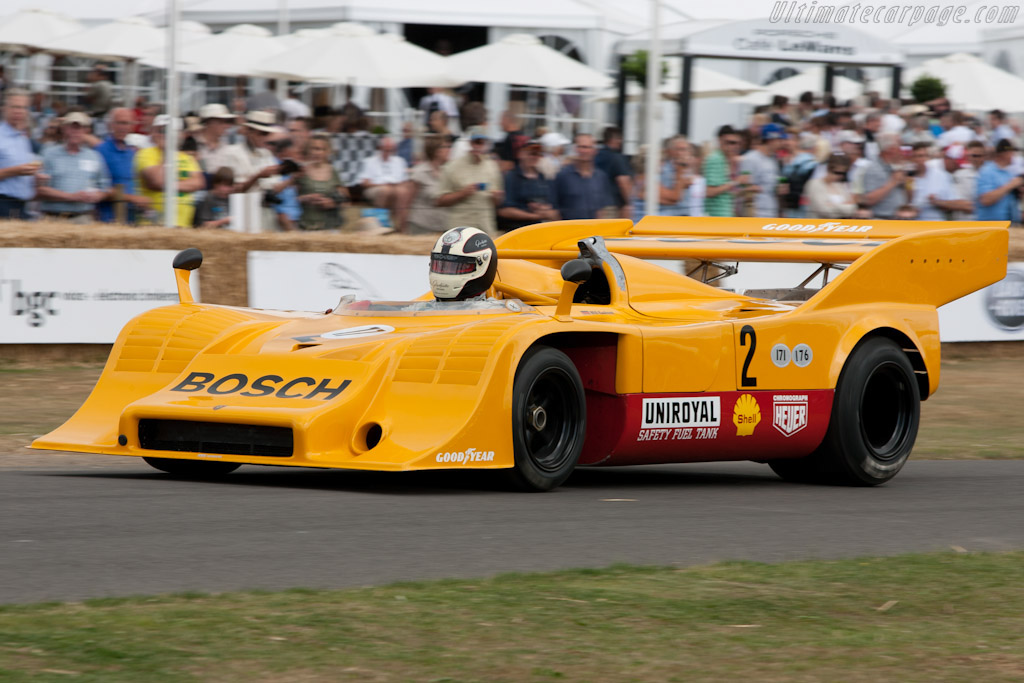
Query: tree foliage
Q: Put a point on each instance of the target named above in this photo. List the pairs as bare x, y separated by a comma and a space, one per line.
635, 67
927, 88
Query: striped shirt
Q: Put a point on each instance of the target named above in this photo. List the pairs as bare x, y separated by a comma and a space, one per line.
84, 170
716, 172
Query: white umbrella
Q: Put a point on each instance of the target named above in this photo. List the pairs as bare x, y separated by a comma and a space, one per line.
188, 32
813, 79
125, 38
357, 55
970, 83
521, 59
301, 37
231, 53
32, 28
707, 83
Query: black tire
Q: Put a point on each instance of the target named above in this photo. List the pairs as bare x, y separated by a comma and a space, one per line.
549, 419
193, 468
876, 411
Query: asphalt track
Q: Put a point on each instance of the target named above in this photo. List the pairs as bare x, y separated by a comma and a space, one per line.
123, 529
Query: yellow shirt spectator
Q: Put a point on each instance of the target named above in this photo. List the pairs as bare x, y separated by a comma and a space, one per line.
153, 156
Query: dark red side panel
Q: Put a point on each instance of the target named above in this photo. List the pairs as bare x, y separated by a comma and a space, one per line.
637, 429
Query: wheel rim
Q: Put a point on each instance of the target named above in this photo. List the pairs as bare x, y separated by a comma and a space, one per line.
549, 418
886, 409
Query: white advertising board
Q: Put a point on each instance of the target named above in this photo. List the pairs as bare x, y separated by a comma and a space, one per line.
995, 313
81, 296
311, 281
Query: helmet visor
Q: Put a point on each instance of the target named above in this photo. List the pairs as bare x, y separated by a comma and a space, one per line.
452, 264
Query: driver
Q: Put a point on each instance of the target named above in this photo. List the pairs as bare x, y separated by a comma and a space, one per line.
462, 265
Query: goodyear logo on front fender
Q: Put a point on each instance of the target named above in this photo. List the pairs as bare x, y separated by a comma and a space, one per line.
266, 385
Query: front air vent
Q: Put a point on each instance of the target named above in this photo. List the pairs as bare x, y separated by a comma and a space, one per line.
215, 437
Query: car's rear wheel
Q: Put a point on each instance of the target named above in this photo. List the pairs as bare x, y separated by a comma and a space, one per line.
876, 411
548, 419
192, 468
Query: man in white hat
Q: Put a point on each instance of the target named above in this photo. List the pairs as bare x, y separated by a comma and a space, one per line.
252, 162
78, 176
216, 120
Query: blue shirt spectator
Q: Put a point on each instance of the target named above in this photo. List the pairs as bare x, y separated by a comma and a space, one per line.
614, 164
529, 196
17, 182
997, 179
118, 157
582, 189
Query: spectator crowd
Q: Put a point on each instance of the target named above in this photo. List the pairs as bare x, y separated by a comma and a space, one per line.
816, 158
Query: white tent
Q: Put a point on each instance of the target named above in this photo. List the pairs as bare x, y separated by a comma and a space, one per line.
301, 37
524, 60
707, 83
355, 54
234, 52
33, 28
927, 41
188, 32
971, 83
519, 14
812, 79
125, 38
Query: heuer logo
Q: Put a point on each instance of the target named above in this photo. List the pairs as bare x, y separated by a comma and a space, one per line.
789, 413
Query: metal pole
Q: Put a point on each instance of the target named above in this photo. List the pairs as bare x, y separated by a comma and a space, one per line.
282, 30
684, 95
652, 115
897, 74
171, 132
830, 76
620, 102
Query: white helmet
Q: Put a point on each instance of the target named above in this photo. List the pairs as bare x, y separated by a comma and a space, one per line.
462, 264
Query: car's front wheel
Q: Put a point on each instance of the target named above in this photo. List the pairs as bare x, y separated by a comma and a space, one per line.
192, 468
875, 415
549, 419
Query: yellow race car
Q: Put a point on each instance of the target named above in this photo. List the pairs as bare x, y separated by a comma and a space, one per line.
582, 352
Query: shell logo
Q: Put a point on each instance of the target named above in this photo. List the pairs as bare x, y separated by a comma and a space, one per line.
746, 415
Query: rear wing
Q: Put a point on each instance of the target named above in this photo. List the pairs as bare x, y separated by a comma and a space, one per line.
908, 261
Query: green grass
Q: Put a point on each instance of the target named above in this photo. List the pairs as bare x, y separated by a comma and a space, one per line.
939, 617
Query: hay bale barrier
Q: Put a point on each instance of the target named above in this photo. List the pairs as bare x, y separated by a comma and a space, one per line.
224, 252
224, 275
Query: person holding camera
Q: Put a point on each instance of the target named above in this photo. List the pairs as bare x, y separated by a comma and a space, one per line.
997, 195
681, 190
251, 160
472, 186
885, 179
830, 196
320, 191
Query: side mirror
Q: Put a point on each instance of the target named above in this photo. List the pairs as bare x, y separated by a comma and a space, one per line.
184, 263
189, 259
576, 271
